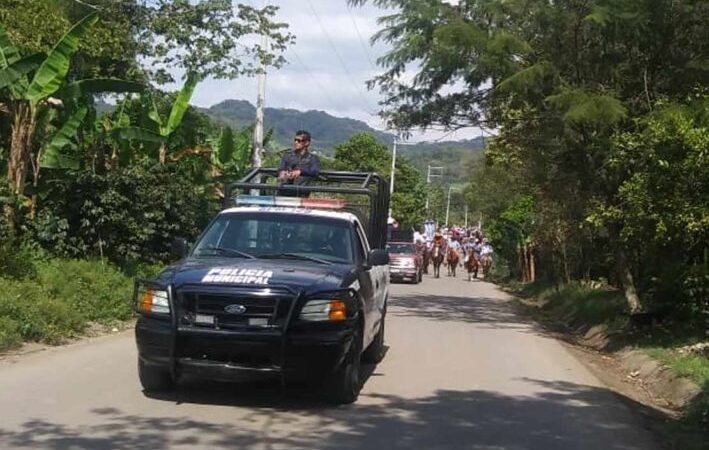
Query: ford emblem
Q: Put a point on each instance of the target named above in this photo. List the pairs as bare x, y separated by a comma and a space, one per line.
235, 309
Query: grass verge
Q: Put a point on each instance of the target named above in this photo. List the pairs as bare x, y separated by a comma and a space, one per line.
50, 300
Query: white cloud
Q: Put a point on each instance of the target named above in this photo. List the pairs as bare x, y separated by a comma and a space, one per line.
316, 77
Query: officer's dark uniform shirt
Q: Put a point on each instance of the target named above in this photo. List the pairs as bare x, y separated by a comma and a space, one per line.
306, 162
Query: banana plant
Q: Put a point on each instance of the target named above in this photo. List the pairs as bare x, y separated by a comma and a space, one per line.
31, 86
160, 130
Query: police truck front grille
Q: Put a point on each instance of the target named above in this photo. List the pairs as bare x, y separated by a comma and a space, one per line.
230, 311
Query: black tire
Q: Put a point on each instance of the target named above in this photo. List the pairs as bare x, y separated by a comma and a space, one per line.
346, 382
154, 379
375, 352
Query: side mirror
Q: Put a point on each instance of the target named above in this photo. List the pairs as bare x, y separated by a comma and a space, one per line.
179, 248
378, 257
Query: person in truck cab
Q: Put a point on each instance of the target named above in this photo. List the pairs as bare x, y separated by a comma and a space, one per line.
299, 165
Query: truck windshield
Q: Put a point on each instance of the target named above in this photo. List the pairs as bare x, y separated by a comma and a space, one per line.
272, 235
401, 248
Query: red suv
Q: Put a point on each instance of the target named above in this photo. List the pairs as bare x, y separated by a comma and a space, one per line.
405, 263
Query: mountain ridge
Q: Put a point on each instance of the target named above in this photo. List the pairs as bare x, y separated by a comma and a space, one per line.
327, 130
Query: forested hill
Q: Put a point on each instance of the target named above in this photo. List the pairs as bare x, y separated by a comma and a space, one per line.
329, 130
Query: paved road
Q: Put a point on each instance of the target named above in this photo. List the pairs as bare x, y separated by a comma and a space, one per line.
462, 372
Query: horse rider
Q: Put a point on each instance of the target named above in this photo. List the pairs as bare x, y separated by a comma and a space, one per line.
486, 248
454, 243
439, 240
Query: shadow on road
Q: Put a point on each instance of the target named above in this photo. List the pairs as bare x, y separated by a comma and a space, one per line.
252, 393
446, 308
560, 416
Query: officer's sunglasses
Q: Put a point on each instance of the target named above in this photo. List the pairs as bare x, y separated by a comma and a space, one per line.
300, 140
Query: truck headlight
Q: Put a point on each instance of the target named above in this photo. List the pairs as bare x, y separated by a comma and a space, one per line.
334, 310
153, 301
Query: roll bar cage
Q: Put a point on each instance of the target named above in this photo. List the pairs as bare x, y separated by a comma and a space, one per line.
369, 184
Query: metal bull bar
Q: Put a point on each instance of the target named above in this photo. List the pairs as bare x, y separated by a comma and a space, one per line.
368, 184
297, 296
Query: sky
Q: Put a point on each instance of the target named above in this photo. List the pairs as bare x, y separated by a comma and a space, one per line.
328, 65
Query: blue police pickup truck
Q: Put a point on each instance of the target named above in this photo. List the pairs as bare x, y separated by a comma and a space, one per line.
286, 281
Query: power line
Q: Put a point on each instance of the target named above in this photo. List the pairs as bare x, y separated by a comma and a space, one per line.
310, 73
338, 55
311, 76
361, 39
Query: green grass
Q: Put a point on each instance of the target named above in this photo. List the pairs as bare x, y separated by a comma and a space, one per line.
56, 299
694, 367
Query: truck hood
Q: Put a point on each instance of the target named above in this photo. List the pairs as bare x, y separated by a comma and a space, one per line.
296, 274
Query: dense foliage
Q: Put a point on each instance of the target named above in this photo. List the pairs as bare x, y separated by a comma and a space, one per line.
598, 168
94, 193
364, 153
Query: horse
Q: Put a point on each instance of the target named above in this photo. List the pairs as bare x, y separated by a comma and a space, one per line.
426, 258
437, 256
485, 264
452, 259
472, 264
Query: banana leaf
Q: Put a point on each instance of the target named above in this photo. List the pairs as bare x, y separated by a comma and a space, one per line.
9, 54
52, 73
182, 103
153, 113
52, 158
10, 74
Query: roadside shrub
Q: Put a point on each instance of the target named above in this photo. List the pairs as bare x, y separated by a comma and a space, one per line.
16, 261
60, 299
140, 269
9, 333
499, 271
132, 214
40, 316
583, 305
98, 292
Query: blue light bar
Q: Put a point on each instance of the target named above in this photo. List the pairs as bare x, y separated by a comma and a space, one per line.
256, 200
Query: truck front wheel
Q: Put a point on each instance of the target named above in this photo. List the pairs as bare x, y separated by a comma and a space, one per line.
375, 352
346, 382
154, 379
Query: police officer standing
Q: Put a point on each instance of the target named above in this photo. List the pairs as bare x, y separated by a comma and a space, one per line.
299, 166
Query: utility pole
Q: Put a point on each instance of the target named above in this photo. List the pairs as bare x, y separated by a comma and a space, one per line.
466, 216
393, 174
257, 156
393, 168
428, 181
448, 208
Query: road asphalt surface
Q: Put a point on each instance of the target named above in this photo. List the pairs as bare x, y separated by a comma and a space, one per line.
462, 372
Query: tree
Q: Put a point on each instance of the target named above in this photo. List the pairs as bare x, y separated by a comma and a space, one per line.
157, 129
27, 85
364, 153
156, 40
560, 82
